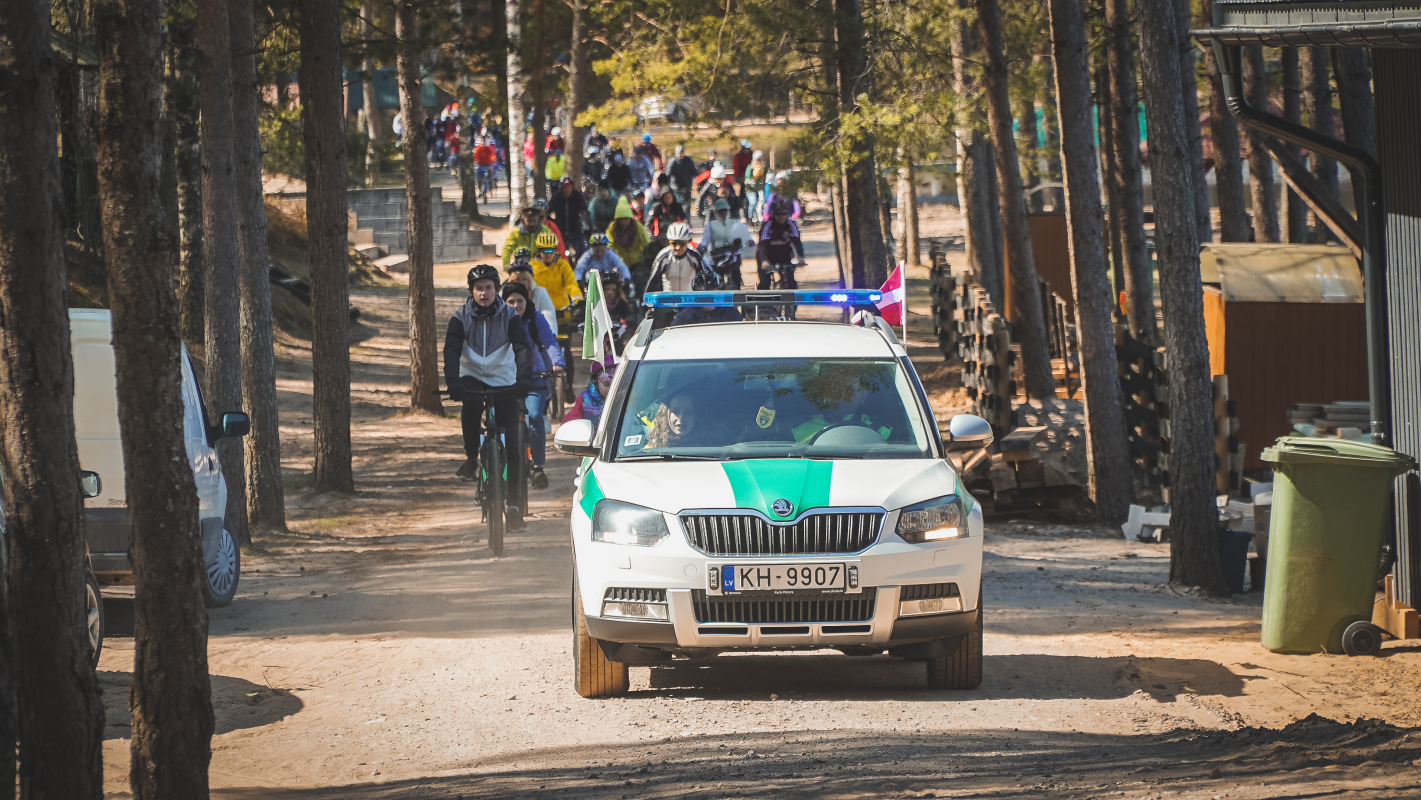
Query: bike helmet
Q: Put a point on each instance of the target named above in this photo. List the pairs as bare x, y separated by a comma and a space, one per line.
541, 204
646, 137
745, 143
779, 206
599, 238
679, 232
717, 172
522, 254
706, 280
547, 240
484, 272
722, 204
557, 131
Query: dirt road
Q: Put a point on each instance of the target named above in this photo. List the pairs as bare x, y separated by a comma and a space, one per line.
380, 651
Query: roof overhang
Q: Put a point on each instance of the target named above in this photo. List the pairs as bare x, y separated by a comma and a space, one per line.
1348, 23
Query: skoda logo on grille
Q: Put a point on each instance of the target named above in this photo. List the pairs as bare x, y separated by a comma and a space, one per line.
782, 507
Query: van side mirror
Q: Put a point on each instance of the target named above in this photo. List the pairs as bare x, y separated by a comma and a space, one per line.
574, 438
89, 484
234, 425
967, 432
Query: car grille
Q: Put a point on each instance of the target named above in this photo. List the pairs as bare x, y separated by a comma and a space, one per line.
619, 595
927, 591
751, 535
804, 607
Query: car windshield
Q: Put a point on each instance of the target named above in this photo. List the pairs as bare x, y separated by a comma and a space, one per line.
727, 409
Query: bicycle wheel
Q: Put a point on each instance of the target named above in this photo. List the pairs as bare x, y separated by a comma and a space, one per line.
495, 493
555, 404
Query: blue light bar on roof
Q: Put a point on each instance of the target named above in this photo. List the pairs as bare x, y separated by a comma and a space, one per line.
835, 297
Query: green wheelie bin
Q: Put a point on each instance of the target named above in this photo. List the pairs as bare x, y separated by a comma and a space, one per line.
1331, 512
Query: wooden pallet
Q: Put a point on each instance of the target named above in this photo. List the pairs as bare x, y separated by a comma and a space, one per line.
1394, 616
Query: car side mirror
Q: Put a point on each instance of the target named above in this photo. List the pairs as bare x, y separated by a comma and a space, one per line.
89, 484
967, 432
574, 438
235, 425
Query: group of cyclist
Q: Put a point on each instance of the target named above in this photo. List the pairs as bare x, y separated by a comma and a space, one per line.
509, 346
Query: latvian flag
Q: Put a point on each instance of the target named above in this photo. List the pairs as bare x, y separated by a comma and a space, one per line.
894, 297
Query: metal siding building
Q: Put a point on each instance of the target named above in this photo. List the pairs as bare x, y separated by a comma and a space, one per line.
1392, 33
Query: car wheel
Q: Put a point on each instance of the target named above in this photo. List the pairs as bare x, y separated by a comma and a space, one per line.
597, 676
94, 616
220, 585
962, 669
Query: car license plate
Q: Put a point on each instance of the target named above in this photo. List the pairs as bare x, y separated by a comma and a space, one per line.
781, 577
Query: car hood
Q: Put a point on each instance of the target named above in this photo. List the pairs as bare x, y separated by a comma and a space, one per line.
756, 484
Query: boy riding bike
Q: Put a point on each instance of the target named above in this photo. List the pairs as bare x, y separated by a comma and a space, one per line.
487, 360
780, 249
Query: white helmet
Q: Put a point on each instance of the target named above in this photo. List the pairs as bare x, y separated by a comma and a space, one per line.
678, 232
717, 172
759, 154
557, 131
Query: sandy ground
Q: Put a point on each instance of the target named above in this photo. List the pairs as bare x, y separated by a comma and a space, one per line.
380, 651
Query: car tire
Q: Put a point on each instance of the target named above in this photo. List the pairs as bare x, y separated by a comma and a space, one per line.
962, 669
219, 583
597, 676
94, 616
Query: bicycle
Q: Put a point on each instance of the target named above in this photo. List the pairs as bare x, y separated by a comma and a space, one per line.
555, 408
781, 276
565, 328
486, 181
492, 490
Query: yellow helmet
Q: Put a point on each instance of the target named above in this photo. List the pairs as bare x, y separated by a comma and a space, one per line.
546, 240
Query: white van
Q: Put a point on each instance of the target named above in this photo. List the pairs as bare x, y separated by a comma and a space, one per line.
100, 450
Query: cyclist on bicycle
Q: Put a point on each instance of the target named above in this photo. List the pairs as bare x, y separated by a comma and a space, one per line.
486, 157
486, 348
525, 233
598, 257
552, 272
521, 271
723, 240
567, 210
547, 357
675, 268
779, 246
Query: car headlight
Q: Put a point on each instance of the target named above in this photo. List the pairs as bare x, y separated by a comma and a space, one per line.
933, 520
616, 522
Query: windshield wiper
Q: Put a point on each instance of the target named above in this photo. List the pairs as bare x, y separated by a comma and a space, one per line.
811, 456
667, 457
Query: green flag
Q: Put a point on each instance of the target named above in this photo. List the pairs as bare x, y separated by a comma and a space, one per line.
598, 322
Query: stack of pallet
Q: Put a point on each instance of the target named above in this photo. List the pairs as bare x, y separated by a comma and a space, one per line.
1342, 420
1061, 334
984, 344
944, 290
1228, 450
1141, 374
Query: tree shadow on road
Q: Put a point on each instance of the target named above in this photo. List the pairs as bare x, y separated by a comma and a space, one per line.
238, 704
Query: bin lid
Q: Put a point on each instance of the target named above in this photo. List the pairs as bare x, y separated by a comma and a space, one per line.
1303, 449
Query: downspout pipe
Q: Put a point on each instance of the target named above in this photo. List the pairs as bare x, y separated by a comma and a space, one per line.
1365, 169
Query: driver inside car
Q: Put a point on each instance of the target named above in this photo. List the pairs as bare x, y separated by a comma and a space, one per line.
856, 410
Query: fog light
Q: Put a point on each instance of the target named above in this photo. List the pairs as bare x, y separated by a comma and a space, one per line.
853, 577
929, 605
713, 577
626, 610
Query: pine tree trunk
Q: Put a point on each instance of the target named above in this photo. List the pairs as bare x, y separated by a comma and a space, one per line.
576, 92
367, 88
1228, 166
1262, 189
1028, 327
266, 497
1107, 451
1295, 212
222, 338
1124, 108
1317, 110
1027, 138
322, 106
49, 697
182, 99
1194, 554
908, 210
419, 225
1189, 86
517, 176
1354, 96
1112, 185
1052, 136
861, 204
539, 134
974, 170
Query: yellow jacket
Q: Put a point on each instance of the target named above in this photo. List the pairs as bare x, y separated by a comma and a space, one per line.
555, 167
516, 239
630, 255
558, 279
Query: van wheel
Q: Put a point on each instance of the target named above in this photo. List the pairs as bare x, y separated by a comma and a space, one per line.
94, 616
220, 585
963, 669
596, 675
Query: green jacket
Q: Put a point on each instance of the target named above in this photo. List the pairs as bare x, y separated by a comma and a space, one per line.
516, 239
804, 431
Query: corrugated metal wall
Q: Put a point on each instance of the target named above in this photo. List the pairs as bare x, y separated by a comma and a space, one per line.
1397, 77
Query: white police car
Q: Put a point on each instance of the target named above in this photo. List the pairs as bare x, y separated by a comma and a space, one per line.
772, 486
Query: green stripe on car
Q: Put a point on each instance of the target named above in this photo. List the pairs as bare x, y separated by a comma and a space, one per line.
591, 492
757, 484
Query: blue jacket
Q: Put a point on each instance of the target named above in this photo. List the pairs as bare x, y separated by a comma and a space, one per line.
603, 265
545, 349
